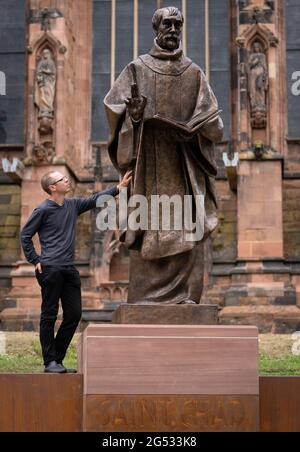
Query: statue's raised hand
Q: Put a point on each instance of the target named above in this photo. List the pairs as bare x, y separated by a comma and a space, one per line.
136, 104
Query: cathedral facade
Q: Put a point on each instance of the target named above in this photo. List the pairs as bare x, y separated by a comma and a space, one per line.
58, 59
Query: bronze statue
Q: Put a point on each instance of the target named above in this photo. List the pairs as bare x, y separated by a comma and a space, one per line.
258, 86
164, 121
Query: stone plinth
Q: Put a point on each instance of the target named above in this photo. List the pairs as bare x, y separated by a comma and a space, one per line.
166, 315
169, 378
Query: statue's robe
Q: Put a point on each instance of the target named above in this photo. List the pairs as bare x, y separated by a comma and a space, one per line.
45, 86
165, 268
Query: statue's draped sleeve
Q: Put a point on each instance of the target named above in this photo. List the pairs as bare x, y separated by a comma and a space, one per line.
124, 137
201, 154
207, 103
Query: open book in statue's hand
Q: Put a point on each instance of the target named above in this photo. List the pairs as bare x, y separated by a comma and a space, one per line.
188, 127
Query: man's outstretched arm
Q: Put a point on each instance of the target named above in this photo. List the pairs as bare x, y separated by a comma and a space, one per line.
85, 204
29, 230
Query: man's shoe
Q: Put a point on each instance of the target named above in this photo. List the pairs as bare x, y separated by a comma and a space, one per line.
54, 368
68, 371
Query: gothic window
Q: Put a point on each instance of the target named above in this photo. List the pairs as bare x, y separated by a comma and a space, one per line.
12, 67
293, 66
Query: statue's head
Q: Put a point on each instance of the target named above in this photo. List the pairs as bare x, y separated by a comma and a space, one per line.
167, 23
257, 47
46, 54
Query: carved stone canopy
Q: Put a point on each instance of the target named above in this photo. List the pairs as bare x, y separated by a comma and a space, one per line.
257, 32
44, 16
252, 12
248, 4
46, 39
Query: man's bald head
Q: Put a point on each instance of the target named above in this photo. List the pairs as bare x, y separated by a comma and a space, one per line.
55, 180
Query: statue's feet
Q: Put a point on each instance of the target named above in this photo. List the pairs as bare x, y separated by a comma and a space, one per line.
187, 302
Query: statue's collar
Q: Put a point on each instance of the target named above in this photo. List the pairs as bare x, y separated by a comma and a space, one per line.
166, 62
163, 54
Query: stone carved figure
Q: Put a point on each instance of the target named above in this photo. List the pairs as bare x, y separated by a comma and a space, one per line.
165, 268
45, 85
258, 86
43, 154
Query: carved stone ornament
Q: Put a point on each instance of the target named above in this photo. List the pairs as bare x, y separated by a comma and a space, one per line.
251, 13
257, 31
43, 154
45, 52
45, 84
44, 17
45, 126
44, 98
258, 83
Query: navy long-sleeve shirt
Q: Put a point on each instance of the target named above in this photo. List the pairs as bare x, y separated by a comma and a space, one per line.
55, 226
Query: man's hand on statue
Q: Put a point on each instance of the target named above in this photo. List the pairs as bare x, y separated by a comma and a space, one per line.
38, 267
136, 106
126, 180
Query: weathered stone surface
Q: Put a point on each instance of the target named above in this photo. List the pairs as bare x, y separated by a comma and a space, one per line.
260, 210
9, 223
268, 319
224, 238
261, 293
291, 218
84, 226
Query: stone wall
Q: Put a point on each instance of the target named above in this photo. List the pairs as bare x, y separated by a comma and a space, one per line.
84, 226
10, 198
224, 238
291, 218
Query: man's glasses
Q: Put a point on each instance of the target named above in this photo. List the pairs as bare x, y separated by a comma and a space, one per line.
59, 180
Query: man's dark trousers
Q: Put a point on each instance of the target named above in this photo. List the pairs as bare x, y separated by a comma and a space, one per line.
58, 283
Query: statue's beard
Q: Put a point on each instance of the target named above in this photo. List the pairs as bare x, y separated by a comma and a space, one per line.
168, 42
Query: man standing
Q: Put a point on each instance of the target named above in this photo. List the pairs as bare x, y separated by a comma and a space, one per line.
166, 160
54, 220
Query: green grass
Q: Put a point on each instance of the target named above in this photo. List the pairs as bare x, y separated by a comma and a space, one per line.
22, 364
276, 357
286, 365
23, 354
